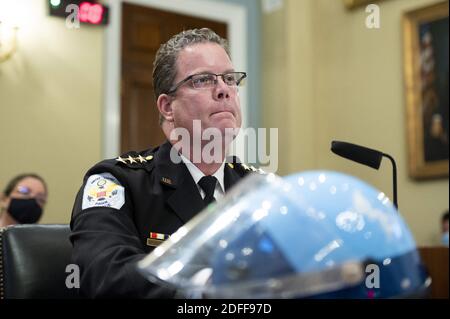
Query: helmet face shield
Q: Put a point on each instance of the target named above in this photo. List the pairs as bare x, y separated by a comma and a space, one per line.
317, 234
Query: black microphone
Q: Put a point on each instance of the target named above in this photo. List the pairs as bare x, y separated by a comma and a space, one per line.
365, 156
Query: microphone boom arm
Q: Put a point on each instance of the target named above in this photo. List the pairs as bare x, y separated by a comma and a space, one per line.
394, 177
366, 156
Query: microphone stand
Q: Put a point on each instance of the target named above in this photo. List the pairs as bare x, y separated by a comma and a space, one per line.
368, 157
394, 177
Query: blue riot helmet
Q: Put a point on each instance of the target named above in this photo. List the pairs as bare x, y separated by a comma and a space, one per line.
316, 234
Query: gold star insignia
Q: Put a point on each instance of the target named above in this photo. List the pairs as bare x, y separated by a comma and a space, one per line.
141, 159
132, 160
120, 159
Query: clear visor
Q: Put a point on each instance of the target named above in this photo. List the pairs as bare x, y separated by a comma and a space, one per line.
231, 250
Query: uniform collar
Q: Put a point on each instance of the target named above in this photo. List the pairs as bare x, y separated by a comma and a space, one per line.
185, 198
197, 174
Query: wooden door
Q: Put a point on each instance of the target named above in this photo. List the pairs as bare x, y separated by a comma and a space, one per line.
143, 30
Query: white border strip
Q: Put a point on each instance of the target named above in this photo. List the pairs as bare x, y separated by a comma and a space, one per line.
234, 15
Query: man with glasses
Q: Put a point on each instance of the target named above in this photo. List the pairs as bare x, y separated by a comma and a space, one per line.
129, 205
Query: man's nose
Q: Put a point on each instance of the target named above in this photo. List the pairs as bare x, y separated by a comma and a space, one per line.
222, 90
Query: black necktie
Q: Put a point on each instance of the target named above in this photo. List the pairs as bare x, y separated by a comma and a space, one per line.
208, 184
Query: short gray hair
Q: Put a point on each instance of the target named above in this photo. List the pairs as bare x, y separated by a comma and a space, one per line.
164, 66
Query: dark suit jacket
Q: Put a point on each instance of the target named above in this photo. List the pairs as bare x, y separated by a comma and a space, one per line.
160, 196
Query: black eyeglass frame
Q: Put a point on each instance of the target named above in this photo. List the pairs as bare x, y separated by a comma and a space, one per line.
222, 75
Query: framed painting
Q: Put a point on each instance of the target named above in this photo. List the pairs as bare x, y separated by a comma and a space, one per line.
426, 55
352, 4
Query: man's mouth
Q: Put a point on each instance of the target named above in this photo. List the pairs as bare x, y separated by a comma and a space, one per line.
222, 112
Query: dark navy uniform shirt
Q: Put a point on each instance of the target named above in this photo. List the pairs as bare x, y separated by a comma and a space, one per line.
127, 206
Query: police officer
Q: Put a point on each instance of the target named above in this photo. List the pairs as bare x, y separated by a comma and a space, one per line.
129, 205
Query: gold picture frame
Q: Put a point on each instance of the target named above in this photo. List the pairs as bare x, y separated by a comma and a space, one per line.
352, 4
426, 86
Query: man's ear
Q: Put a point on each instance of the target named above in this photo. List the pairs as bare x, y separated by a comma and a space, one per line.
164, 104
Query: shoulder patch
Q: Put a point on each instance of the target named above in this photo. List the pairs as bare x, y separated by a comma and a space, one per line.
103, 190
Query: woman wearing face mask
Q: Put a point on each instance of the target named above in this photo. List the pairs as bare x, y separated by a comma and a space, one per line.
23, 200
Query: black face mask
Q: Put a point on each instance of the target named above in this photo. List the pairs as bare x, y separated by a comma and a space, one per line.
25, 211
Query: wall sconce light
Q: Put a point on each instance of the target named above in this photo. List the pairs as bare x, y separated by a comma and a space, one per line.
8, 41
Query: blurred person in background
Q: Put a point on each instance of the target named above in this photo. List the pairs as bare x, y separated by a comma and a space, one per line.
23, 200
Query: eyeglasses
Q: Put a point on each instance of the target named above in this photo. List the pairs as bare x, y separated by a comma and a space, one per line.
26, 192
209, 80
